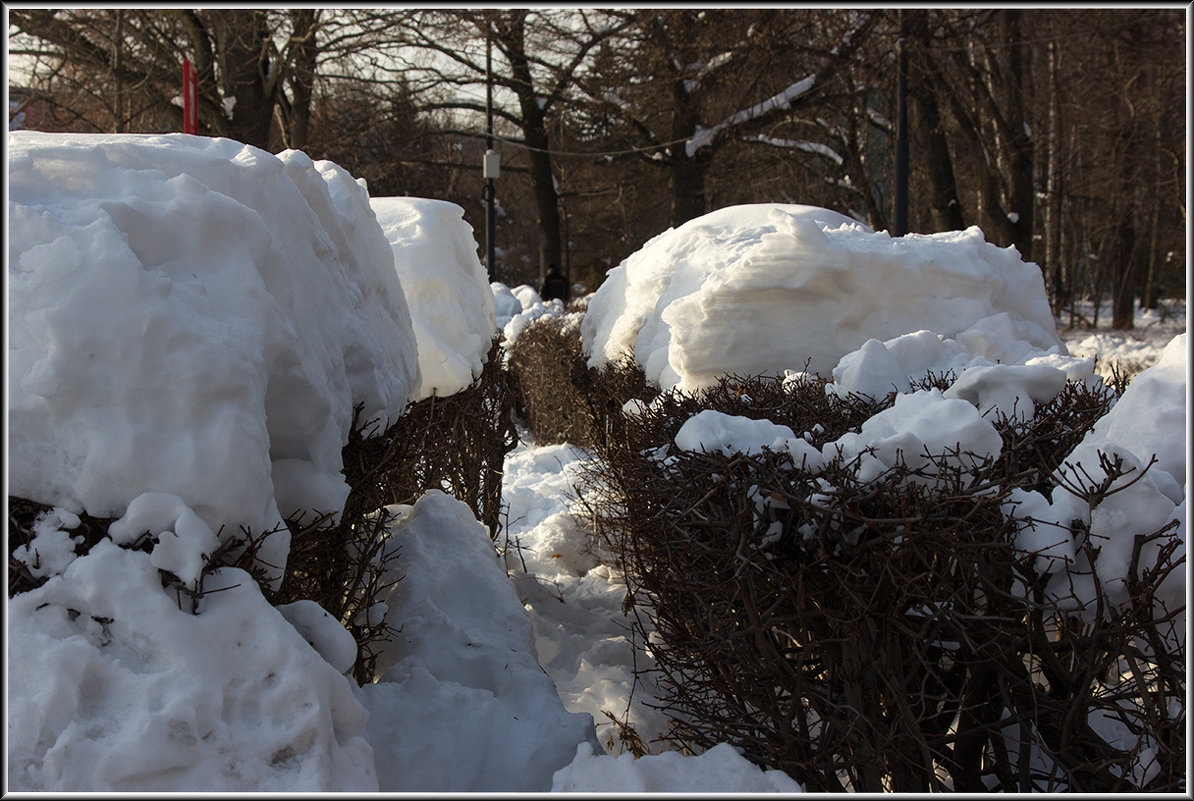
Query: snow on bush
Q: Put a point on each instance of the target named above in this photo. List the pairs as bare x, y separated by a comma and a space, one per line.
767, 287
462, 677
115, 689
1148, 421
196, 317
450, 299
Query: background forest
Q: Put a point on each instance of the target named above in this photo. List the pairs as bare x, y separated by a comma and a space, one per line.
1060, 130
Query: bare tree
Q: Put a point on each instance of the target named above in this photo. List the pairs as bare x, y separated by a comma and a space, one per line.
683, 84
121, 69
537, 56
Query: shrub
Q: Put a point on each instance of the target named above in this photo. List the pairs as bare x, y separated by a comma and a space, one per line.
551, 376
882, 636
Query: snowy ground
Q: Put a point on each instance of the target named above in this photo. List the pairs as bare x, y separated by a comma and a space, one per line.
1133, 350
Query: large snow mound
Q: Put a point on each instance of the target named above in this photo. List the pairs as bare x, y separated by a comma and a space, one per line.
194, 317
117, 690
765, 288
447, 289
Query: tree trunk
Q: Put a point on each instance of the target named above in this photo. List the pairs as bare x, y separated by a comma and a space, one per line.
686, 182
303, 83
945, 208
686, 173
246, 65
1020, 199
543, 187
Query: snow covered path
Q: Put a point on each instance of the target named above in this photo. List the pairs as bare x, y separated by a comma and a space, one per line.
574, 601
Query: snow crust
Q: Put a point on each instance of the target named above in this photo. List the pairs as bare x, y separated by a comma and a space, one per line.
446, 287
770, 287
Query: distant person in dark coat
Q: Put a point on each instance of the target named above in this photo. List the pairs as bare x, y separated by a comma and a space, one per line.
555, 285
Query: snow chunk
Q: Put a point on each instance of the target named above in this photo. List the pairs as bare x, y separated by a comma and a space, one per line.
916, 426
447, 289
505, 304
713, 431
1150, 417
51, 548
768, 287
1008, 388
325, 634
527, 295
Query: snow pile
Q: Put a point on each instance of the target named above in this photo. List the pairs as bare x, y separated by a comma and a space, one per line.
195, 317
766, 288
460, 685
447, 290
114, 689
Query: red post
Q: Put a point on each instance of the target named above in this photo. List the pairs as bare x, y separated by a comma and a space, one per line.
190, 99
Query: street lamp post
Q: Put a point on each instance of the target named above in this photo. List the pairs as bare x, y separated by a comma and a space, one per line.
490, 164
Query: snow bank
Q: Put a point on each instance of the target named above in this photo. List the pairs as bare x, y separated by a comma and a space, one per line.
721, 769
196, 317
462, 704
116, 690
447, 289
768, 287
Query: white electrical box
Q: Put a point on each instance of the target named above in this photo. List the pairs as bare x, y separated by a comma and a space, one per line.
491, 165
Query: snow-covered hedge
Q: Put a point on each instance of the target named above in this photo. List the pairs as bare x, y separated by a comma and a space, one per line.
198, 318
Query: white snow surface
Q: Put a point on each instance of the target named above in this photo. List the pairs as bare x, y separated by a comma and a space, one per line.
447, 290
196, 317
765, 288
191, 322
